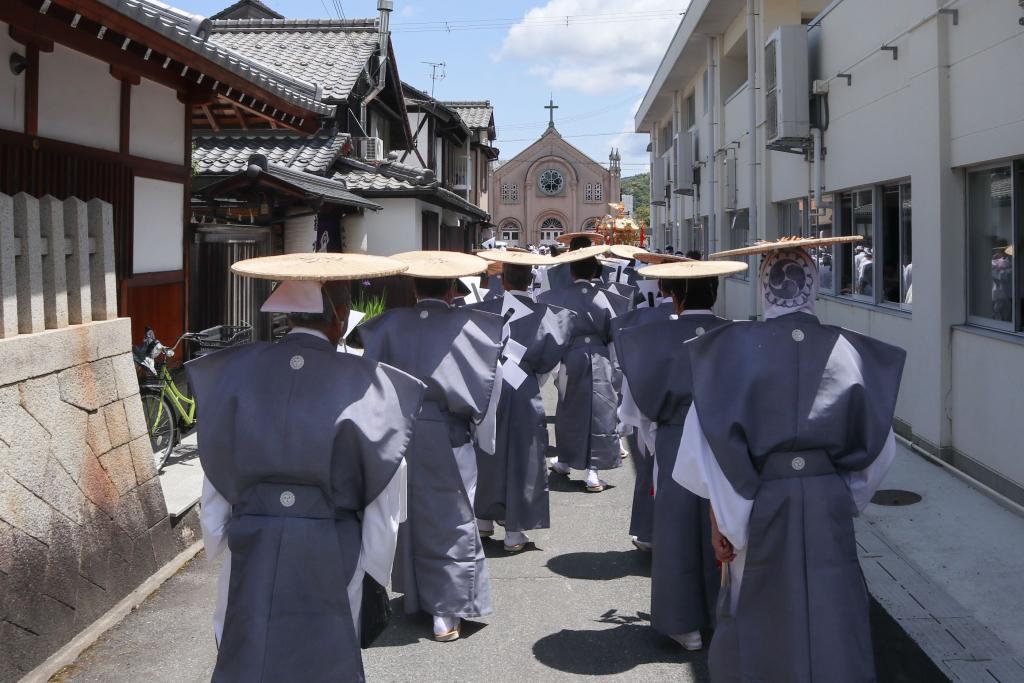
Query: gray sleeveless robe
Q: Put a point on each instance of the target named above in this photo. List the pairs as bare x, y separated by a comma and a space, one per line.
585, 419
817, 401
299, 439
684, 574
439, 564
513, 483
641, 518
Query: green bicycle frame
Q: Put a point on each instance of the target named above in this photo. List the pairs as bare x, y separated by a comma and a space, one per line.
183, 405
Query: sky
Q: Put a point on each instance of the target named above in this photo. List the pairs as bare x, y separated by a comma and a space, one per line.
595, 58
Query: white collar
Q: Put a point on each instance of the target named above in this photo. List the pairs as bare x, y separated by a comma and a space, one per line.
697, 311
309, 330
583, 280
521, 292
663, 300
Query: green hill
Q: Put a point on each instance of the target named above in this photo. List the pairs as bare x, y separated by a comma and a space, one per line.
640, 187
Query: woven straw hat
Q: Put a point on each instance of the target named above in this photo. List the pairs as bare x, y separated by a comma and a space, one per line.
788, 243
626, 251
518, 258
318, 267
651, 258
690, 269
594, 237
440, 264
580, 254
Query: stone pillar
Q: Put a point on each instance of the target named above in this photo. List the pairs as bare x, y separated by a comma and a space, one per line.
55, 294
76, 229
8, 278
28, 264
101, 261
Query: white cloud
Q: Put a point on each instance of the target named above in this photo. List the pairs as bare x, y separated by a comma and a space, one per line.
591, 55
406, 10
632, 146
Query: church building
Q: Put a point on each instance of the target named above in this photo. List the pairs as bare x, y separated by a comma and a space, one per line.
551, 188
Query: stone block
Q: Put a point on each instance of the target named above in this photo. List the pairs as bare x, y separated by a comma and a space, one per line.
8, 279
61, 492
28, 449
26, 356
20, 650
76, 228
165, 542
61, 578
128, 515
93, 601
136, 417
142, 459
40, 398
118, 464
97, 486
117, 424
6, 548
28, 265
55, 288
151, 494
101, 261
98, 534
22, 510
96, 435
89, 385
143, 560
125, 376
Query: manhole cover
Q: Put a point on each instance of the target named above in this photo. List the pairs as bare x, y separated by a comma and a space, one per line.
895, 497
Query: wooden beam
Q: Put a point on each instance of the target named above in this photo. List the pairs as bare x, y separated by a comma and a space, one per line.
32, 90
239, 116
210, 118
20, 35
274, 123
129, 77
124, 136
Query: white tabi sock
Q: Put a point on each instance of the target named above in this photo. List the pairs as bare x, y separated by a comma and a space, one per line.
561, 468
592, 478
515, 538
443, 625
485, 525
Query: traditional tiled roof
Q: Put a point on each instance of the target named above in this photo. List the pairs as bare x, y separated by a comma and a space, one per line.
249, 6
333, 53
224, 154
332, 190
477, 114
192, 32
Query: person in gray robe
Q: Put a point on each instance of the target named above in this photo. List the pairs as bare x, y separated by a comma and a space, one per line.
786, 469
558, 276
656, 398
440, 565
585, 422
302, 449
512, 485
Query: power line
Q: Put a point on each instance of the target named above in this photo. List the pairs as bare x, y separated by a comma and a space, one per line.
572, 118
579, 135
567, 21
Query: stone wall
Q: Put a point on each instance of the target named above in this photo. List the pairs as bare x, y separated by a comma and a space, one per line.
82, 514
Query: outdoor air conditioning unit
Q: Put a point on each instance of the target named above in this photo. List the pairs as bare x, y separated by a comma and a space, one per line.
729, 185
372, 149
684, 162
786, 87
657, 183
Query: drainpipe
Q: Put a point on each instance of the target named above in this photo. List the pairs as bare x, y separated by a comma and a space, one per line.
816, 166
385, 7
712, 151
754, 232
676, 199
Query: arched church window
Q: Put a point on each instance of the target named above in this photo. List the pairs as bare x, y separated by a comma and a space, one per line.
589, 225
510, 233
551, 181
550, 229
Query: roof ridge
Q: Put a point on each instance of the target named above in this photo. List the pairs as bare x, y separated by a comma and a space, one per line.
475, 103
222, 25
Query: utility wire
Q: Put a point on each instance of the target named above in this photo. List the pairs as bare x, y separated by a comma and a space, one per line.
541, 22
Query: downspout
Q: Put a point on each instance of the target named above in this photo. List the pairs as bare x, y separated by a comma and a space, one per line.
676, 199
712, 151
816, 166
754, 233
385, 7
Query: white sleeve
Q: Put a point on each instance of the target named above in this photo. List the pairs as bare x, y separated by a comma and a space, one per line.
214, 515
485, 432
630, 416
864, 483
697, 470
380, 538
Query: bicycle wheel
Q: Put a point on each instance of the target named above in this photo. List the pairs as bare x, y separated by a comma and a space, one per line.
160, 420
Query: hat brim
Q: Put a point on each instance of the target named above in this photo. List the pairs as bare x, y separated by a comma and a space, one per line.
318, 267
682, 270
580, 254
653, 259
517, 258
594, 237
440, 264
626, 251
800, 243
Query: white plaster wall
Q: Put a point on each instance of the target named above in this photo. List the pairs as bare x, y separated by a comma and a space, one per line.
299, 234
158, 222
988, 402
79, 101
12, 88
157, 129
396, 229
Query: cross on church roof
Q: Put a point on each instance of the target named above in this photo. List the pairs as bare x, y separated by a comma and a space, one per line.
551, 107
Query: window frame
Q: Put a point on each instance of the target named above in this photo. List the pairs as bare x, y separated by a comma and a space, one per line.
879, 275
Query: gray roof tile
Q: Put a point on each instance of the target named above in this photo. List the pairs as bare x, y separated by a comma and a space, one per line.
225, 154
329, 52
477, 114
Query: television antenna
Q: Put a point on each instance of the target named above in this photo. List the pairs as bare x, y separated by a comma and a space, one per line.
437, 73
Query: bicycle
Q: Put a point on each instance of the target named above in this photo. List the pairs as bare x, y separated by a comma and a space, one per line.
170, 414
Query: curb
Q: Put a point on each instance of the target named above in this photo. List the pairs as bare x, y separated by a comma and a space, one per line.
68, 654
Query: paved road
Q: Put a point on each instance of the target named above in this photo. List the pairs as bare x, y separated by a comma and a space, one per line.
576, 606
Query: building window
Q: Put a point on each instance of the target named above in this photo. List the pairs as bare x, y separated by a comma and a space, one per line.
994, 198
855, 266
589, 225
821, 221
739, 232
896, 247
691, 110
793, 219
550, 229
593, 192
511, 236
509, 193
598, 192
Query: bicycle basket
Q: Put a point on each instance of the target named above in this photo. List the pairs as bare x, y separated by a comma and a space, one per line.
221, 337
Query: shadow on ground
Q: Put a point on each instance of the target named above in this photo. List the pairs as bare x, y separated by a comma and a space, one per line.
601, 566
608, 651
410, 629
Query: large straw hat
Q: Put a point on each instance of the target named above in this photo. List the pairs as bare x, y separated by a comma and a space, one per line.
594, 237
580, 254
652, 258
690, 269
627, 251
318, 267
518, 258
440, 264
788, 243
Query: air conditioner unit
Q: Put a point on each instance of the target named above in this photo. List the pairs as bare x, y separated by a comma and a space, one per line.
729, 185
786, 84
371, 149
657, 183
684, 161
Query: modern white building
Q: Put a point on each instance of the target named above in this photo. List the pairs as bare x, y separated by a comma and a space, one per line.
919, 109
